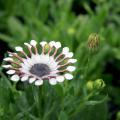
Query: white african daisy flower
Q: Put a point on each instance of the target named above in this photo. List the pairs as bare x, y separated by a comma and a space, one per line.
51, 64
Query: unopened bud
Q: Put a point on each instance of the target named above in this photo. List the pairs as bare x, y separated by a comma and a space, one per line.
93, 41
99, 84
89, 85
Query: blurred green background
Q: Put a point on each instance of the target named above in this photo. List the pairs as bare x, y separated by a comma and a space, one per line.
70, 22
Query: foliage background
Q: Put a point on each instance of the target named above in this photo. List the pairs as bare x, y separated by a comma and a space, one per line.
70, 22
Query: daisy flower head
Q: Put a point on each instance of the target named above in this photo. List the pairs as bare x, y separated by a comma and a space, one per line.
53, 63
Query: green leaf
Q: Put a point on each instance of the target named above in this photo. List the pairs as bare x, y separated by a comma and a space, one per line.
59, 90
16, 28
63, 116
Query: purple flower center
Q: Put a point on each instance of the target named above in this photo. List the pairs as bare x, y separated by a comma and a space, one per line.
40, 70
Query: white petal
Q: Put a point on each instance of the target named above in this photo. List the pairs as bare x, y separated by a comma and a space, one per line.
28, 62
24, 70
57, 45
68, 76
60, 78
18, 48
71, 68
24, 78
52, 43
53, 81
72, 60
44, 59
52, 63
33, 42
25, 66
10, 55
15, 78
36, 58
6, 66
8, 59
10, 72
65, 50
31, 80
43, 43
39, 82
69, 55
28, 45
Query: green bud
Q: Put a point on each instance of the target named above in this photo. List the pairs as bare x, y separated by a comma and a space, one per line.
89, 85
99, 84
93, 41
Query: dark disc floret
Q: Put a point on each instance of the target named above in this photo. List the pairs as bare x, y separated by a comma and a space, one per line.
40, 70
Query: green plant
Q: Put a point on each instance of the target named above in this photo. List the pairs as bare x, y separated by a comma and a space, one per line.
21, 21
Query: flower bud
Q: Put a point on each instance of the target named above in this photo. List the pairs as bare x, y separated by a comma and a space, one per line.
89, 85
93, 41
99, 84
95, 85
